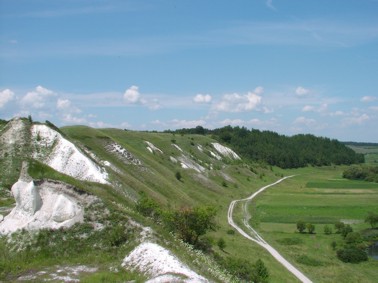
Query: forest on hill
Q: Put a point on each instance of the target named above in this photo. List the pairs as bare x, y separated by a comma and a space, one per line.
280, 150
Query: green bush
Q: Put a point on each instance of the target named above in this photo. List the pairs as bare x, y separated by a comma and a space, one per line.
306, 260
290, 241
352, 255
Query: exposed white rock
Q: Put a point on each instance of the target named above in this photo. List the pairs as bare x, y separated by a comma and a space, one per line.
200, 148
27, 197
50, 205
152, 148
63, 156
174, 160
188, 163
225, 151
160, 265
177, 147
123, 153
216, 156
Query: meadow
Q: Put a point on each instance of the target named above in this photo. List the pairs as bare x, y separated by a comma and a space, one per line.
321, 197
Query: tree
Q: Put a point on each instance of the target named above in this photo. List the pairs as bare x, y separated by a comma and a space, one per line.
262, 272
221, 243
310, 228
301, 226
339, 226
372, 219
191, 223
346, 230
353, 238
327, 230
178, 175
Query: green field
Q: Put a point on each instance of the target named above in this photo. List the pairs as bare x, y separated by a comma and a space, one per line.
369, 151
318, 196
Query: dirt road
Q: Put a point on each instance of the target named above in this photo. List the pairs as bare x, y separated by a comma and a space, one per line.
255, 237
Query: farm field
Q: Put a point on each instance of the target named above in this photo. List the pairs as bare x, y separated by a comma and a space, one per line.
318, 196
370, 151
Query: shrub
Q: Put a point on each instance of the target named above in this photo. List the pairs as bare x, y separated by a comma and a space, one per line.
301, 226
231, 232
339, 226
352, 255
221, 243
178, 175
310, 228
290, 241
306, 260
327, 230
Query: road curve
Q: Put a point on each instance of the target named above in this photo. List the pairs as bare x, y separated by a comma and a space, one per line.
257, 238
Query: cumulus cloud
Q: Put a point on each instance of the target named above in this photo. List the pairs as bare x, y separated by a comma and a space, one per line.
37, 99
187, 123
368, 99
321, 109
132, 95
308, 122
202, 98
357, 119
5, 96
239, 102
301, 91
63, 104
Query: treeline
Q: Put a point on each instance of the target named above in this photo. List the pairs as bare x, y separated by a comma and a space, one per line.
280, 150
362, 172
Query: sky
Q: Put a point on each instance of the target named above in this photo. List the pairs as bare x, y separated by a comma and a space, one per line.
289, 66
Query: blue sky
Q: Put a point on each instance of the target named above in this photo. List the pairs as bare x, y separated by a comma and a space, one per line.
290, 66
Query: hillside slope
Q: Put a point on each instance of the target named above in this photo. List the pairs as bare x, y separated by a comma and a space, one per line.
112, 168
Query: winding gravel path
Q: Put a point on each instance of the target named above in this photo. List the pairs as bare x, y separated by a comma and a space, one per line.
255, 237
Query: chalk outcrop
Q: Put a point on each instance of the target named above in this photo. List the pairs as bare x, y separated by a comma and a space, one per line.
54, 150
47, 204
160, 265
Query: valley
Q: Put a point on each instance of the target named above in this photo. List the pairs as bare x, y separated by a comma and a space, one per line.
177, 171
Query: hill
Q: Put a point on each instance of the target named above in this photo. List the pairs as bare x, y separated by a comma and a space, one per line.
79, 192
283, 151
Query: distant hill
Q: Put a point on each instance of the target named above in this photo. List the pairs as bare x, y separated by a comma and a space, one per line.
280, 150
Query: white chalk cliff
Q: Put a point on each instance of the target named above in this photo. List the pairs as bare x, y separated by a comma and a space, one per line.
49, 205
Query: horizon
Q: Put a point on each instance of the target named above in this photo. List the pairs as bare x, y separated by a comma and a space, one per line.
291, 67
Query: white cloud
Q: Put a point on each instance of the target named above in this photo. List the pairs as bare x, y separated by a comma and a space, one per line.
357, 120
239, 103
69, 118
187, 123
368, 99
132, 94
202, 98
308, 122
308, 108
232, 122
63, 104
321, 109
269, 4
5, 96
37, 99
374, 108
301, 91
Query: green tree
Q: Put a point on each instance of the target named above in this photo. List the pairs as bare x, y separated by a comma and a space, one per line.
178, 175
261, 273
353, 238
148, 207
346, 230
339, 226
372, 219
301, 226
327, 230
221, 244
310, 228
191, 223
